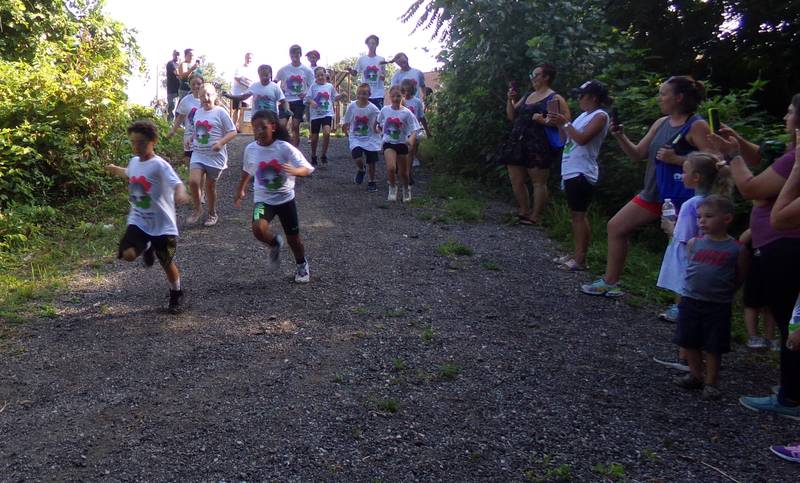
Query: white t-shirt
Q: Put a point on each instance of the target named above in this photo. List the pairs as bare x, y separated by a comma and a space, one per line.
151, 192
264, 163
416, 106
294, 80
577, 159
265, 96
323, 95
372, 72
397, 125
209, 127
414, 74
362, 122
249, 76
187, 107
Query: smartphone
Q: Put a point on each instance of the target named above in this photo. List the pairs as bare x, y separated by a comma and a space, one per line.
513, 86
197, 62
614, 116
713, 120
553, 106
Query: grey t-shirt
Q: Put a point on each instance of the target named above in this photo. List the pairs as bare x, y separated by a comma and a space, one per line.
711, 274
664, 134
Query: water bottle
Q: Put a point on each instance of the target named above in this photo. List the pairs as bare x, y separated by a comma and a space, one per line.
668, 211
794, 323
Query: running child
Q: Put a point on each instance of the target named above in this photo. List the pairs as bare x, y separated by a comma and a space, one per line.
320, 98
361, 125
213, 129
399, 128
716, 267
295, 79
184, 115
274, 163
266, 94
371, 68
154, 189
415, 105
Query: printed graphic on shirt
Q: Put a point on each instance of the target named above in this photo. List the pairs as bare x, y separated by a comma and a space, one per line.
139, 189
323, 101
270, 174
712, 257
295, 84
371, 73
203, 131
264, 102
361, 126
394, 128
569, 147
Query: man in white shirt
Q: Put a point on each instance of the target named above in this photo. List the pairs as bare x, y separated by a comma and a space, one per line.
242, 78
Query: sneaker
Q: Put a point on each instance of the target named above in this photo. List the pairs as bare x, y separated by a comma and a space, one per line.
275, 252
775, 345
175, 301
687, 381
407, 194
789, 452
600, 287
770, 404
562, 259
756, 342
392, 193
202, 197
670, 314
324, 160
673, 363
302, 275
211, 220
360, 176
372, 187
711, 393
149, 256
415, 163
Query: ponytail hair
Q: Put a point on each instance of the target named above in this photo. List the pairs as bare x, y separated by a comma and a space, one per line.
281, 133
693, 92
713, 180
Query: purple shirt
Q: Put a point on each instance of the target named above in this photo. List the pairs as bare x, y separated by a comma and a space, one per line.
763, 233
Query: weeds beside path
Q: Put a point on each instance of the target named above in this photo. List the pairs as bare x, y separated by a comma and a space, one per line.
425, 347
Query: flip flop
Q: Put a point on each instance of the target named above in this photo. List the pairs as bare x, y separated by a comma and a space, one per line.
572, 266
524, 220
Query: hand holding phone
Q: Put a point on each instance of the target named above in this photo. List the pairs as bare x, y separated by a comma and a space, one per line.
713, 120
553, 105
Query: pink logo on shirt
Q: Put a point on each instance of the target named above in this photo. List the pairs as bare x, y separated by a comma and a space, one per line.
139, 192
361, 125
371, 73
202, 131
323, 100
270, 174
295, 83
394, 127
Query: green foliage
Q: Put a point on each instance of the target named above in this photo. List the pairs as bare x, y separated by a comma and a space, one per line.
452, 248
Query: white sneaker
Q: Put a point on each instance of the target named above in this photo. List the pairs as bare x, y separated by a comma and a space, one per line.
756, 342
776, 345
392, 193
415, 163
275, 253
407, 194
302, 275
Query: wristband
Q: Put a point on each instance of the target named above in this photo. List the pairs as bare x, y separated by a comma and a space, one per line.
566, 125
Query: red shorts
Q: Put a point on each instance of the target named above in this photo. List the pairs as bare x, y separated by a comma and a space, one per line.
654, 208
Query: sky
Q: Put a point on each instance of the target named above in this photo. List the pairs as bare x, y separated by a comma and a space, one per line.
336, 28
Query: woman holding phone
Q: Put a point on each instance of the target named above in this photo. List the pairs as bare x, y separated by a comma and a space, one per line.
529, 115
665, 147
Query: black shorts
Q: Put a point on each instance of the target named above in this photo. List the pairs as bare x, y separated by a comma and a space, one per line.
164, 246
298, 109
378, 101
753, 295
287, 213
316, 124
579, 193
400, 149
284, 114
235, 103
358, 151
703, 326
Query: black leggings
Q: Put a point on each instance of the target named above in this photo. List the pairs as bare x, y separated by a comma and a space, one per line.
780, 265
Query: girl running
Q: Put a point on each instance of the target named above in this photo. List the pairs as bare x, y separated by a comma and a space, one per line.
213, 129
274, 163
320, 98
154, 189
266, 94
399, 130
415, 105
360, 123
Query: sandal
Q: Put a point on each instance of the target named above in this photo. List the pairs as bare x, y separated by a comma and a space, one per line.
572, 266
524, 220
562, 259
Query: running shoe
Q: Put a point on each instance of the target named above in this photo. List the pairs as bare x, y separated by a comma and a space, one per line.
175, 301
776, 345
407, 194
203, 197
770, 404
756, 342
601, 288
302, 275
711, 393
688, 381
415, 163
673, 363
211, 220
670, 314
372, 187
562, 259
148, 257
275, 252
790, 452
360, 176
392, 193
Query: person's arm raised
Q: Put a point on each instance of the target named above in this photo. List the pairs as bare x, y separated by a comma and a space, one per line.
636, 152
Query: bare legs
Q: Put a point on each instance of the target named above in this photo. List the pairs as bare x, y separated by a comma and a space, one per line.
620, 229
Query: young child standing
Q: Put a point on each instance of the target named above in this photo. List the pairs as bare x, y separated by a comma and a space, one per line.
754, 300
415, 105
360, 124
399, 130
716, 267
213, 129
274, 163
154, 189
320, 98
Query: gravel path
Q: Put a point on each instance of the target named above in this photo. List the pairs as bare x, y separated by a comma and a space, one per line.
395, 363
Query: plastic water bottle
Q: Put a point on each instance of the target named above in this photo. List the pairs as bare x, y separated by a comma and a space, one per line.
794, 323
668, 211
